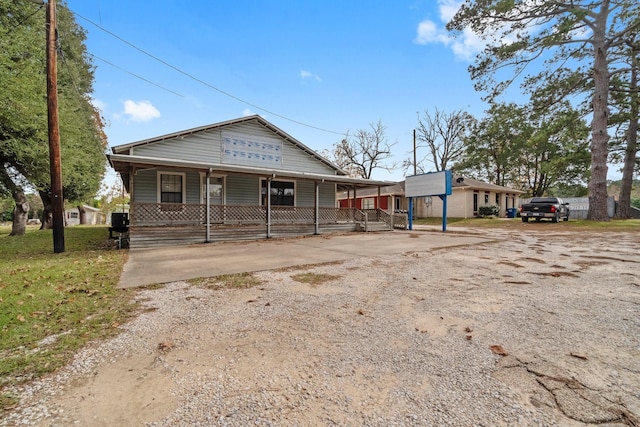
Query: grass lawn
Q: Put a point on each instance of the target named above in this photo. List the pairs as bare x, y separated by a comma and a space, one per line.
51, 305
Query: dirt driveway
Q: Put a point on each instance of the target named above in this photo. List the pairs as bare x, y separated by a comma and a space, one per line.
536, 329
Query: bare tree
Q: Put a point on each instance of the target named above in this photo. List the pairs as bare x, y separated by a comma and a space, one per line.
443, 135
366, 151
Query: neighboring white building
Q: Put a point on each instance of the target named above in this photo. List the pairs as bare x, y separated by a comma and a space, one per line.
93, 216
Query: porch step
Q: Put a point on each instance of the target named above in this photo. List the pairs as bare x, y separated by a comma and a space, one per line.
373, 226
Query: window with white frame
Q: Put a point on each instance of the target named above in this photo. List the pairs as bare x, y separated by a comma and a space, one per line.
171, 187
368, 203
216, 190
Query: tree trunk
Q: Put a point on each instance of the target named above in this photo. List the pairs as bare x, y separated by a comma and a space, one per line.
20, 214
82, 215
599, 136
624, 198
47, 210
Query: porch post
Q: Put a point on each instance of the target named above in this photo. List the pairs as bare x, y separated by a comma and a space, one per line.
269, 208
316, 218
355, 198
208, 202
378, 206
131, 199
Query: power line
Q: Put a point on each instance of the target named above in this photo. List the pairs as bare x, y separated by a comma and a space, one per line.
192, 77
137, 76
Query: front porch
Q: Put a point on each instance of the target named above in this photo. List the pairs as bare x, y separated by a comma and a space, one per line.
162, 224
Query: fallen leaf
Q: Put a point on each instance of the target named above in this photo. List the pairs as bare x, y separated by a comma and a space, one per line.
361, 312
469, 337
578, 356
166, 346
499, 350
468, 329
20, 317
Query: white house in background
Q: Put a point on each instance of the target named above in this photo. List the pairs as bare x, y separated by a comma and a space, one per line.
93, 216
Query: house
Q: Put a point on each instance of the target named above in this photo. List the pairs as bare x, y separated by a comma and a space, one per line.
239, 179
93, 216
467, 196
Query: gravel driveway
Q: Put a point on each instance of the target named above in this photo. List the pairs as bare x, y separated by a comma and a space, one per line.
530, 330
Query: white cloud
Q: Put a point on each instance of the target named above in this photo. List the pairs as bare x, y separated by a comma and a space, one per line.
142, 111
309, 75
247, 112
448, 9
465, 46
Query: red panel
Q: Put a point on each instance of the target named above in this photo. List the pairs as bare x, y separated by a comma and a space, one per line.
384, 202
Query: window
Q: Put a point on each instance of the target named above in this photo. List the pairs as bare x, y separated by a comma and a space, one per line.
282, 193
368, 203
171, 188
497, 199
73, 215
475, 202
486, 198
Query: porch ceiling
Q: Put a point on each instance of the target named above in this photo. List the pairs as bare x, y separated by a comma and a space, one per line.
122, 163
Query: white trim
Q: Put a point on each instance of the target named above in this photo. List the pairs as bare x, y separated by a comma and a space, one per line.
203, 177
159, 185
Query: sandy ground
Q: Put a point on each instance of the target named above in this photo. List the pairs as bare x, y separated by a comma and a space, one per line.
533, 329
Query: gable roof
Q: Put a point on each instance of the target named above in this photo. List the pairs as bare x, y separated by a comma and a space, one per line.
121, 158
125, 148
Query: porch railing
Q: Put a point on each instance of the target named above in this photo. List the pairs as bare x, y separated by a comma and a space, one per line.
155, 214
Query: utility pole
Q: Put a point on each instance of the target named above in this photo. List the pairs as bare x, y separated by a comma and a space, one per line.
57, 199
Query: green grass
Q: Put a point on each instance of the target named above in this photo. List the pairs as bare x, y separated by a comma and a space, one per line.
227, 281
51, 305
314, 279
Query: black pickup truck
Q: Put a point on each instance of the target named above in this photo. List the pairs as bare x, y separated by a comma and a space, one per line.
538, 208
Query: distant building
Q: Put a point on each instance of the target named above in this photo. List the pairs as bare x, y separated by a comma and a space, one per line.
467, 196
93, 216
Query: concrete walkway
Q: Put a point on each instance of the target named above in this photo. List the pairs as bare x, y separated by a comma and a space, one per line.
169, 264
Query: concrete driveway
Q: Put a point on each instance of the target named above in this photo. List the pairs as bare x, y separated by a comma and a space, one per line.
174, 263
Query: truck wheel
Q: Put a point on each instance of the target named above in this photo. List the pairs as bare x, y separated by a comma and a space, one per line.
554, 219
566, 218
525, 219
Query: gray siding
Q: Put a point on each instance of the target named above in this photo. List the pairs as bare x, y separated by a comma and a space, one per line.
305, 194
200, 147
193, 187
243, 190
145, 187
327, 195
240, 190
206, 147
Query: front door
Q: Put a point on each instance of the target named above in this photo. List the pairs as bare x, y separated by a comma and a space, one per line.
216, 196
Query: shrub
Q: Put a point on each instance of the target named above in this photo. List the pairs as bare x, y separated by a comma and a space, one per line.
489, 210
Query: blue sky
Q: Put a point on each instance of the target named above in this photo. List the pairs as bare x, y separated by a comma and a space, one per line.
333, 65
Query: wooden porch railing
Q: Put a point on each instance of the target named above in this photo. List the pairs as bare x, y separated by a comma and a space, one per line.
155, 214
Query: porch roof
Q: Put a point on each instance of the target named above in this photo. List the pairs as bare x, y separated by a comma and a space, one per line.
121, 163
